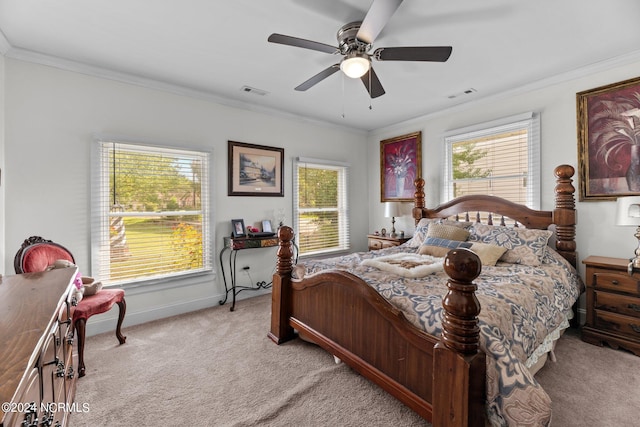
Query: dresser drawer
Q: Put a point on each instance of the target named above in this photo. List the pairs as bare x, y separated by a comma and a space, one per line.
375, 244
615, 281
620, 304
618, 323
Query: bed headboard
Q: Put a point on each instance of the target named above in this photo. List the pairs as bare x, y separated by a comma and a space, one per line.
561, 220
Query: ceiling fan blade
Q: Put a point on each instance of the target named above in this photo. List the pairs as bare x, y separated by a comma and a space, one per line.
318, 77
425, 53
298, 42
377, 17
373, 85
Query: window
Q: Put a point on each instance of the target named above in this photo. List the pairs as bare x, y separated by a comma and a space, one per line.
150, 212
320, 211
500, 158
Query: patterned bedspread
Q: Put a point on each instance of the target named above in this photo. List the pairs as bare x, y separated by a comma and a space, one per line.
523, 309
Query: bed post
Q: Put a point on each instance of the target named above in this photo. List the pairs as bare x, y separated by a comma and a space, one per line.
459, 369
418, 199
564, 213
281, 331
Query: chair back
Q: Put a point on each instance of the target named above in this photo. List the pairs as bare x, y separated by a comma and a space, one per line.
36, 254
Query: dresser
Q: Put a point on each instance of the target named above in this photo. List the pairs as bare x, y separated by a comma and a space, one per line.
37, 355
613, 304
380, 242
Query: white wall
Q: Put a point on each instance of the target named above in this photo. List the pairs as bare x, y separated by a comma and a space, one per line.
51, 115
596, 233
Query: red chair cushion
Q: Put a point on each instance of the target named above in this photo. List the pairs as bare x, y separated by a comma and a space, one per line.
98, 303
40, 256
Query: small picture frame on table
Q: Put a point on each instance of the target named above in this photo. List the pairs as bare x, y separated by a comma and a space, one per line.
266, 226
237, 228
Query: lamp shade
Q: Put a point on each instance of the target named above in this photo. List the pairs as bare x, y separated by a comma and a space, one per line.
392, 209
628, 211
355, 66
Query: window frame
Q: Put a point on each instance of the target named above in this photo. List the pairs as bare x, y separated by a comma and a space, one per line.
529, 121
344, 233
99, 227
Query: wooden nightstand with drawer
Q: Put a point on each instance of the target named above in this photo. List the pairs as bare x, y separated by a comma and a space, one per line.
613, 304
381, 242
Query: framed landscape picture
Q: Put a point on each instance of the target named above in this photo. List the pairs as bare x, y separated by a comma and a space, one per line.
400, 165
609, 141
255, 170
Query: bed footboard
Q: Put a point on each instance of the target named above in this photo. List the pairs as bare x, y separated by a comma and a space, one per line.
443, 381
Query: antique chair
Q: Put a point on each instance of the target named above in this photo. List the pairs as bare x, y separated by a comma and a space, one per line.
37, 254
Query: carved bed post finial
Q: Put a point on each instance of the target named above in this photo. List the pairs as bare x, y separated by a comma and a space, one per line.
459, 368
460, 331
564, 214
281, 331
284, 264
418, 199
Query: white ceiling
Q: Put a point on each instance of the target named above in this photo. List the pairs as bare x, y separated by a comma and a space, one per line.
214, 48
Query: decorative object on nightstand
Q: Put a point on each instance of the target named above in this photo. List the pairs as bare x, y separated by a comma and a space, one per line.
392, 210
628, 213
376, 241
613, 304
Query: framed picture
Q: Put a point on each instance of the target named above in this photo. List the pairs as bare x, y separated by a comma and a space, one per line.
609, 141
400, 165
255, 170
237, 228
266, 226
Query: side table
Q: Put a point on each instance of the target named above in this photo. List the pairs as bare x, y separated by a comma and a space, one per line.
376, 242
233, 245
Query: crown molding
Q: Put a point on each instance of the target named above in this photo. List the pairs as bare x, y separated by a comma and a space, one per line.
570, 75
78, 67
94, 71
4, 44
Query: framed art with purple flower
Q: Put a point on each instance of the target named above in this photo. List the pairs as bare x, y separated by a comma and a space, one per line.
400, 165
609, 141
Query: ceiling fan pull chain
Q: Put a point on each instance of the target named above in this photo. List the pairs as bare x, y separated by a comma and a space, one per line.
370, 72
342, 84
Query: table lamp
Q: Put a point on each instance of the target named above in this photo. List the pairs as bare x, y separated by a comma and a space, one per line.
628, 213
392, 210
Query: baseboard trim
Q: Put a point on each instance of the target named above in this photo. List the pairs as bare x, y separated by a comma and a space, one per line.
106, 322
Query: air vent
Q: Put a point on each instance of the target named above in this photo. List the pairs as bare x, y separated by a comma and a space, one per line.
464, 92
253, 90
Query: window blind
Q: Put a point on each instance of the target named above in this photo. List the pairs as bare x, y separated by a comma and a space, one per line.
498, 158
320, 206
150, 212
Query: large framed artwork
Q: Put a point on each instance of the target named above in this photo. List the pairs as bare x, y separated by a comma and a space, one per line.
609, 140
400, 165
255, 170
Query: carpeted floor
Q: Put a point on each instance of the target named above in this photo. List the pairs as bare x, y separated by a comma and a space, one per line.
217, 368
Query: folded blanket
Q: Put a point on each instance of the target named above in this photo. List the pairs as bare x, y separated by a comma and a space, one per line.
407, 265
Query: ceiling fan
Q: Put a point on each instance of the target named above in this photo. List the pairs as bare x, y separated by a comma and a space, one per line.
355, 41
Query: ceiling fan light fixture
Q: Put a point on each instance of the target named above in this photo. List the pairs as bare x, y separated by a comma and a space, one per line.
355, 65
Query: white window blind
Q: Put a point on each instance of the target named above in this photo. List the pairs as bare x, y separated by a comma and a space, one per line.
500, 158
150, 212
320, 208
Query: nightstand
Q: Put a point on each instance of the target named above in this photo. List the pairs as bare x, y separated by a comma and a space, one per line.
381, 242
613, 304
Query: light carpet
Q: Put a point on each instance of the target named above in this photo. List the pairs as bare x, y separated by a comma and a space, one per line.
214, 367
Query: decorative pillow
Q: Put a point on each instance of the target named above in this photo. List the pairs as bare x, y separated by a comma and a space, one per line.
489, 254
423, 226
524, 246
449, 232
439, 247
421, 232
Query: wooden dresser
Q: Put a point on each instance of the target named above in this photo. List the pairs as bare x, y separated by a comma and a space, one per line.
37, 354
613, 304
381, 242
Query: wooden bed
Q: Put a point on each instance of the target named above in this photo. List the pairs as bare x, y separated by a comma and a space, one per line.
340, 312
